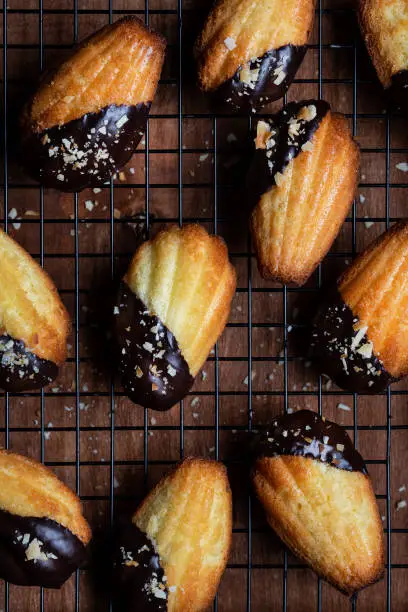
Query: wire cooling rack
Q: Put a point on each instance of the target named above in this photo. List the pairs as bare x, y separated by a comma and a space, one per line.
189, 168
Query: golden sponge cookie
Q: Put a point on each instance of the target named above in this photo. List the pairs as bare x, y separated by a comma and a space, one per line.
376, 290
120, 64
253, 49
360, 334
88, 116
188, 516
43, 532
384, 26
33, 321
319, 499
302, 181
172, 306
30, 489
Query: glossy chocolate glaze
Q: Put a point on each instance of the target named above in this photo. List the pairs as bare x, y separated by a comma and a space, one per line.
154, 372
397, 93
290, 132
138, 576
84, 152
343, 349
306, 434
20, 369
263, 79
37, 551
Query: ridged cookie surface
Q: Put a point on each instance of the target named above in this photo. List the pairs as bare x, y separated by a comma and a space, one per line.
303, 181
28, 488
172, 306
43, 533
360, 335
326, 516
88, 116
319, 499
375, 288
384, 25
254, 48
189, 517
34, 323
119, 65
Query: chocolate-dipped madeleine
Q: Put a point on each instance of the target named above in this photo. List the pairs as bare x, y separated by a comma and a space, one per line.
250, 51
173, 553
302, 182
318, 497
173, 304
360, 337
88, 116
43, 534
34, 323
384, 26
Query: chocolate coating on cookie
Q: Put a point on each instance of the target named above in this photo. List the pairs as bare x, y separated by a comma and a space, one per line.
86, 151
154, 372
37, 551
397, 93
139, 578
21, 369
306, 434
263, 79
290, 132
343, 350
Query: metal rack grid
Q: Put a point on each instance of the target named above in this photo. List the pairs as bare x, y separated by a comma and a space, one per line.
248, 594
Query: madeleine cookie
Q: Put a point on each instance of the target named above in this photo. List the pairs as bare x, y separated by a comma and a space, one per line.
250, 51
43, 535
172, 555
384, 26
34, 323
360, 336
319, 499
87, 117
172, 306
302, 182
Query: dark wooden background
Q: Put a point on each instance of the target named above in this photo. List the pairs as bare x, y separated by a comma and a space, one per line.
94, 438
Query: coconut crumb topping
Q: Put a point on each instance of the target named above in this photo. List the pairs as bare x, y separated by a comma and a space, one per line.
263, 133
230, 43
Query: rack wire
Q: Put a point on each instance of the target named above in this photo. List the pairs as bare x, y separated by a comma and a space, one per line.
256, 370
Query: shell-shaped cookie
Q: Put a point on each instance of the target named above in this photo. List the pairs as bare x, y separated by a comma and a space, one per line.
252, 50
188, 516
34, 323
88, 116
173, 305
384, 26
302, 181
360, 334
43, 534
319, 499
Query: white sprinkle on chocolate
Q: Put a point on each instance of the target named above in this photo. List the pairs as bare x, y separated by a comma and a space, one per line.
121, 122
307, 113
366, 350
171, 371
34, 552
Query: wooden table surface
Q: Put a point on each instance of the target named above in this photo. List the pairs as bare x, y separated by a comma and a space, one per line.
95, 439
